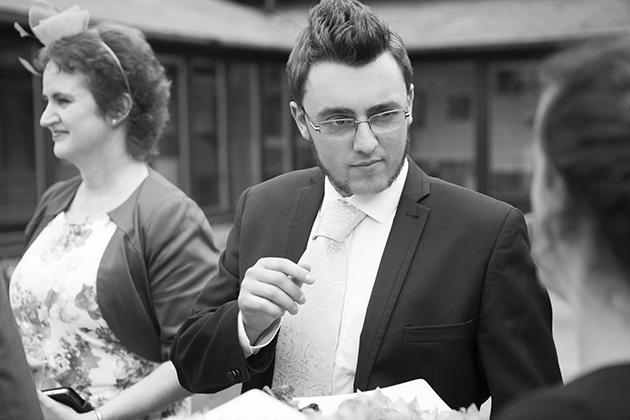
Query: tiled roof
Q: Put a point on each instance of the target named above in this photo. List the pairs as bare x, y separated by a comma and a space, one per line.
456, 24
423, 25
464, 23
222, 22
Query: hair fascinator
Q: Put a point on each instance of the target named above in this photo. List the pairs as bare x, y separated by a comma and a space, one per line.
48, 25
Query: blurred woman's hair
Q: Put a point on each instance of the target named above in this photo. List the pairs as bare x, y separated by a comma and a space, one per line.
86, 53
585, 134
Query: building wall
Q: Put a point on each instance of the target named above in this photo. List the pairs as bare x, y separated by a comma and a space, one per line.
231, 127
473, 121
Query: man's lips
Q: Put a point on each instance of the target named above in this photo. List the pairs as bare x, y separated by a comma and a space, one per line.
366, 163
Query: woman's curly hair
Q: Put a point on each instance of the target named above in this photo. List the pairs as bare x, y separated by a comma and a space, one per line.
149, 87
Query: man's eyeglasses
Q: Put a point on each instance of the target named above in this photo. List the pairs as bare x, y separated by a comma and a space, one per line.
343, 128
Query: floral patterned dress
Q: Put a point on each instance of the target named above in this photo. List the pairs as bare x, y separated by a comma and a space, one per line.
53, 296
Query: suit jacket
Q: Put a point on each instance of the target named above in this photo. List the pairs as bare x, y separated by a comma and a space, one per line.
455, 300
18, 400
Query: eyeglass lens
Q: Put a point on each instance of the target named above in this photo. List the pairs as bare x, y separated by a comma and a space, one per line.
379, 123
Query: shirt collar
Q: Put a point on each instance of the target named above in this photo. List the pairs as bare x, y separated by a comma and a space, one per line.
378, 206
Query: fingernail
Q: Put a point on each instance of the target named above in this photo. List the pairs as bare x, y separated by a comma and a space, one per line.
302, 299
309, 278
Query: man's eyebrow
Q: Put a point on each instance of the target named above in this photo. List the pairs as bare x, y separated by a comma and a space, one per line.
374, 109
385, 106
329, 110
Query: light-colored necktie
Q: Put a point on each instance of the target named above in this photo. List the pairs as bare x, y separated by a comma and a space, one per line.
307, 342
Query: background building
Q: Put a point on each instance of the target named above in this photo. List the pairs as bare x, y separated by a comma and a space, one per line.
475, 67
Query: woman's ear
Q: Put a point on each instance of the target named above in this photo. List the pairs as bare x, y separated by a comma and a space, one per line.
299, 116
123, 108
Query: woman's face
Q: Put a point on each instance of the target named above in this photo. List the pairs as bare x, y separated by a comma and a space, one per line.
78, 130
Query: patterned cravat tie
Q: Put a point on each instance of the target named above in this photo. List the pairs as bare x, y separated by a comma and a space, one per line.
307, 342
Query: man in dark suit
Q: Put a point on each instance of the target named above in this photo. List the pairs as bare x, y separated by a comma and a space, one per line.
18, 398
440, 282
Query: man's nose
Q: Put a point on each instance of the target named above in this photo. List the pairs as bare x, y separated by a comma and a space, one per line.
364, 139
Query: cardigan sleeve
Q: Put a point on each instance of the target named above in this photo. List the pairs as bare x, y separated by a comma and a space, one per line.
180, 256
162, 255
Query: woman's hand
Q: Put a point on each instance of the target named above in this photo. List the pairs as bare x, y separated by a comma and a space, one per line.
38, 370
54, 410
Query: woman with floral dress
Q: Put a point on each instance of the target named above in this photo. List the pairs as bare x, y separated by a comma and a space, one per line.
115, 256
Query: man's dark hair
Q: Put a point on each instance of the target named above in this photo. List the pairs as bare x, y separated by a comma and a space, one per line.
346, 32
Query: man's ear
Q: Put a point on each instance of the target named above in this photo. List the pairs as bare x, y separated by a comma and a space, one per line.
410, 96
300, 119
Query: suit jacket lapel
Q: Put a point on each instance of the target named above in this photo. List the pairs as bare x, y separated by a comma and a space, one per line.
303, 213
401, 246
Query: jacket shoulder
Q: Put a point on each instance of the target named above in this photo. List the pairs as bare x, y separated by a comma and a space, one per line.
456, 195
54, 200
295, 179
158, 203
156, 196
157, 190
60, 193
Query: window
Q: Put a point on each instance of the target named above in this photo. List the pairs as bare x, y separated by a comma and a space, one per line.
167, 162
18, 176
204, 134
19, 182
458, 107
512, 107
443, 128
244, 160
271, 109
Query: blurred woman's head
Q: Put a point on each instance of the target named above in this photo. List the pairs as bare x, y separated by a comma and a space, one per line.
581, 185
127, 82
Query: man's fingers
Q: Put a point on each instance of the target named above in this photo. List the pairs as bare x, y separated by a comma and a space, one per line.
298, 273
271, 287
271, 295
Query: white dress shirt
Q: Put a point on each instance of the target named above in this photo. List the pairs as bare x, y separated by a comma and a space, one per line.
365, 247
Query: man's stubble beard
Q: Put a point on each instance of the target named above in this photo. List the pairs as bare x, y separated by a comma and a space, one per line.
342, 187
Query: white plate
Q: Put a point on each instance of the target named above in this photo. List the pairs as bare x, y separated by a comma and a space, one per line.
426, 397
254, 405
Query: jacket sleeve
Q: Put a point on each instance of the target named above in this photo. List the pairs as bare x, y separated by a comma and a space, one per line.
206, 351
515, 340
181, 257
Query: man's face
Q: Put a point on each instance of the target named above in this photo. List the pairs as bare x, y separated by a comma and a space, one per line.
364, 163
